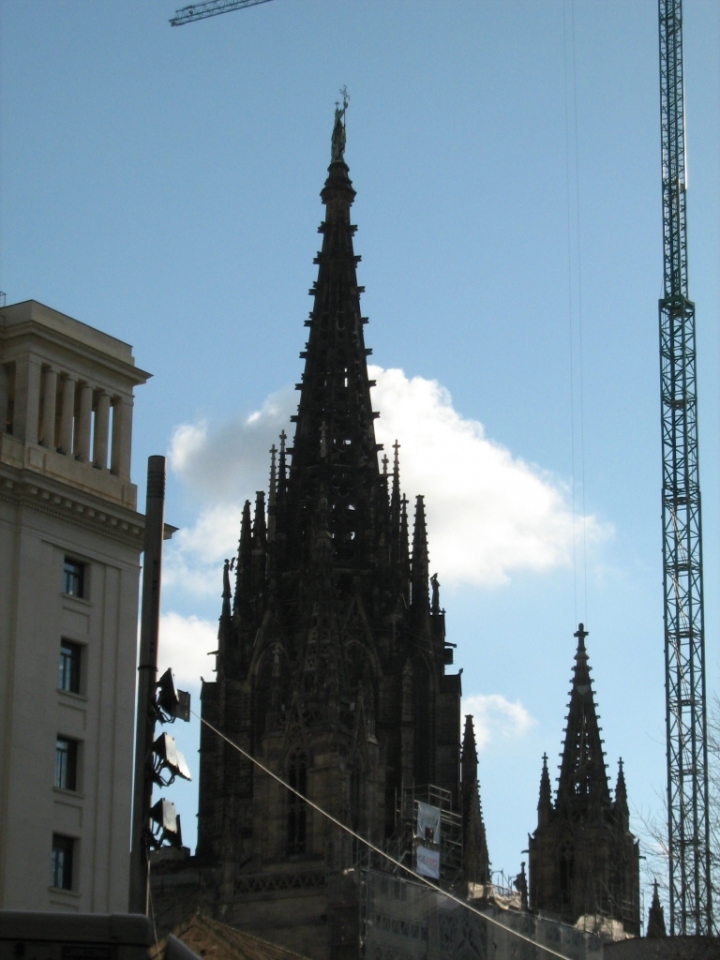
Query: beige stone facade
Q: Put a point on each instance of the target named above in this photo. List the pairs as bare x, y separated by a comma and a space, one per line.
70, 542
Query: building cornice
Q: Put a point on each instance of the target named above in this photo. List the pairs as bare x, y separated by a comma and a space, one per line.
27, 488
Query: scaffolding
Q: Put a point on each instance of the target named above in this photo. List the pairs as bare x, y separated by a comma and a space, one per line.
405, 839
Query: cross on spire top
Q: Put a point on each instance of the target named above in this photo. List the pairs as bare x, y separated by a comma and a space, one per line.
581, 633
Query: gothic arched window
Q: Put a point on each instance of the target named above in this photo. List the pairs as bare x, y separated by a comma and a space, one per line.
296, 809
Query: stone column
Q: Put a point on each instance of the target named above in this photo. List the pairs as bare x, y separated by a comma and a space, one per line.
4, 396
102, 425
49, 406
82, 433
26, 417
122, 437
67, 415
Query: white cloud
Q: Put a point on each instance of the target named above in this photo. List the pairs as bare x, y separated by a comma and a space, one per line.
233, 461
184, 646
490, 514
496, 718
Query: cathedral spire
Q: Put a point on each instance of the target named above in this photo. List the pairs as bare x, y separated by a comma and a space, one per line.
621, 801
335, 432
583, 778
476, 861
420, 559
272, 494
656, 917
545, 806
243, 582
469, 757
404, 559
226, 613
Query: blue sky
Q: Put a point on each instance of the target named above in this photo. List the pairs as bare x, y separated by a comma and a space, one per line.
162, 184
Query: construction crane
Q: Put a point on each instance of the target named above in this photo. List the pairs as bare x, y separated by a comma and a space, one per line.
686, 712
200, 11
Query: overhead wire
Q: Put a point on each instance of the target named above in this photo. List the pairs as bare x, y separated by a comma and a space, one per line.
371, 846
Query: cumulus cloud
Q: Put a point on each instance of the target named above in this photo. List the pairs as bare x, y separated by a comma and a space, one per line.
184, 645
232, 461
490, 513
497, 718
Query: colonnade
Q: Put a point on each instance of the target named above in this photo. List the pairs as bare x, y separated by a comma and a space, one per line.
55, 409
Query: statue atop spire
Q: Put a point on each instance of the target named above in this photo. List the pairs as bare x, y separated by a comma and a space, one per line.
337, 153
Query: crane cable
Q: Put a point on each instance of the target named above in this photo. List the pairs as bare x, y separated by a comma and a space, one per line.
573, 231
371, 846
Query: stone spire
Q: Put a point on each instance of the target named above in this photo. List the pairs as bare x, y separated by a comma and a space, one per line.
225, 623
583, 780
656, 917
476, 861
545, 805
395, 496
420, 559
243, 582
335, 434
272, 494
583, 858
621, 802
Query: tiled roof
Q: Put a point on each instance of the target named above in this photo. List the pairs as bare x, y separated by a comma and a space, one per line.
212, 940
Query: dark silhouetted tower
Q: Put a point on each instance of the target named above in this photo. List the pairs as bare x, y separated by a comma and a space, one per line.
332, 658
583, 859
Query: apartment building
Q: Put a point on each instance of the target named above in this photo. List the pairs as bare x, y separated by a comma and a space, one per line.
70, 544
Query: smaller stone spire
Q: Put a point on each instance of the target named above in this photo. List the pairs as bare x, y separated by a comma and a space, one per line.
282, 472
476, 861
469, 757
226, 613
656, 917
404, 557
420, 559
395, 504
259, 528
259, 542
621, 801
583, 780
243, 582
545, 805
272, 495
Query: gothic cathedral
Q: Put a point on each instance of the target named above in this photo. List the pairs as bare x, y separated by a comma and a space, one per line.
332, 672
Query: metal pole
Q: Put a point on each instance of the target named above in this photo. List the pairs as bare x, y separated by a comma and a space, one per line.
147, 679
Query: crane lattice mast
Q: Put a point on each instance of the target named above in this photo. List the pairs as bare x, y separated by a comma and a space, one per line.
212, 8
686, 713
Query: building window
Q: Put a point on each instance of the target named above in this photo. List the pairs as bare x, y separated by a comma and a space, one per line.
73, 578
66, 755
297, 816
61, 870
70, 657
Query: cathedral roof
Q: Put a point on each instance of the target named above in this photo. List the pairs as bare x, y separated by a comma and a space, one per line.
213, 940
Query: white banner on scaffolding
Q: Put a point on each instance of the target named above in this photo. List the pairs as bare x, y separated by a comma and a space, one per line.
427, 862
428, 823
